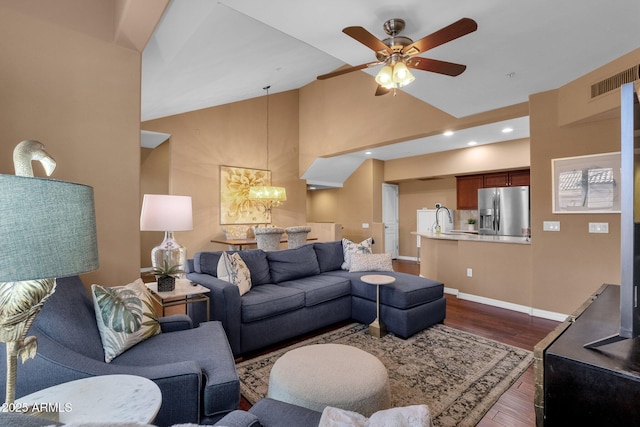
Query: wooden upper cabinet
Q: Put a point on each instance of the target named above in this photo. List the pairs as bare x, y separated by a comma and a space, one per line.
467, 191
521, 177
467, 186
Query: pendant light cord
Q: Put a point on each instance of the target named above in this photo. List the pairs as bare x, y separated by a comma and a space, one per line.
267, 89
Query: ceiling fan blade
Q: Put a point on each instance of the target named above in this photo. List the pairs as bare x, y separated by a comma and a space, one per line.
381, 90
368, 39
348, 70
459, 28
436, 66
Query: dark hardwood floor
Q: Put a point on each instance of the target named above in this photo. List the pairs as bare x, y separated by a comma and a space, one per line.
515, 407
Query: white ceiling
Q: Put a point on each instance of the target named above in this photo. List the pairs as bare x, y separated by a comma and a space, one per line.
519, 48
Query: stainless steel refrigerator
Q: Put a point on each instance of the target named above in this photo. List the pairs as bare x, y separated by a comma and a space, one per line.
504, 211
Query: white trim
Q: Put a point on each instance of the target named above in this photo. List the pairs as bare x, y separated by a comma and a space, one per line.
407, 258
544, 314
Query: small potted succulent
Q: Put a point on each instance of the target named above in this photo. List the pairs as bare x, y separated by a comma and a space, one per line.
166, 276
471, 224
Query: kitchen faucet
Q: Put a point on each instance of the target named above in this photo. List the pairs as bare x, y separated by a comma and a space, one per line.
438, 207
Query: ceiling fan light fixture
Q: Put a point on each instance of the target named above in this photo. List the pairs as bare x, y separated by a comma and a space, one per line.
385, 76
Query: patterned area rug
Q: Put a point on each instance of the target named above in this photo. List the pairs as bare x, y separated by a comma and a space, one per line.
458, 374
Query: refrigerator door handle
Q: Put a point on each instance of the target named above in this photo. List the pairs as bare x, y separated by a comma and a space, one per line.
497, 211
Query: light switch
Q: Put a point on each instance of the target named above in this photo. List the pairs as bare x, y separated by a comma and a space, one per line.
551, 225
598, 227
365, 225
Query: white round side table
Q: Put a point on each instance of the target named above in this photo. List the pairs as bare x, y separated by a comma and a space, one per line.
99, 399
377, 328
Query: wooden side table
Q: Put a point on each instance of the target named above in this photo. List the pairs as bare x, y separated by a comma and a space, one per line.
185, 293
377, 328
100, 399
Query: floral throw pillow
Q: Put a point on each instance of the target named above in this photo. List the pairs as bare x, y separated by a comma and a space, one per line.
233, 269
125, 316
371, 262
349, 248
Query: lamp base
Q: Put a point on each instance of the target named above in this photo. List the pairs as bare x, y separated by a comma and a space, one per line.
169, 253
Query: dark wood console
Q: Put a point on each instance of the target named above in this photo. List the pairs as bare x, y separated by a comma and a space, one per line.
576, 386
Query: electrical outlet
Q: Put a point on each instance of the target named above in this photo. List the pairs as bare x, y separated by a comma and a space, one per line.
469, 272
365, 225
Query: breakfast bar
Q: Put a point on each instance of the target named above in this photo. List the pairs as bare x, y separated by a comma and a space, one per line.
479, 267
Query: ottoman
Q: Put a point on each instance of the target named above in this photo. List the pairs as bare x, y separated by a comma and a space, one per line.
320, 375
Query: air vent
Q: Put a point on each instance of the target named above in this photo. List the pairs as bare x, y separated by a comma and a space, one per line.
614, 82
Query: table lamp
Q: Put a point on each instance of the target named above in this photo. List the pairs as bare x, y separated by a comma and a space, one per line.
48, 230
168, 213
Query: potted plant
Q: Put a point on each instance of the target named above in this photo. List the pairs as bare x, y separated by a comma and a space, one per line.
471, 224
166, 276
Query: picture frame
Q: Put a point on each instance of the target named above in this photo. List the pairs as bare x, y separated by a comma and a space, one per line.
235, 206
586, 184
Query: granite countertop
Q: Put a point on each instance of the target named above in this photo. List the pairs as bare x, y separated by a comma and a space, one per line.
474, 237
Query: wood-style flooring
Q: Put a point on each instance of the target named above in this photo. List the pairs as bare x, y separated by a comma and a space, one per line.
515, 407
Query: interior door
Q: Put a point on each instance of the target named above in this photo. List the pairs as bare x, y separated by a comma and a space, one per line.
390, 218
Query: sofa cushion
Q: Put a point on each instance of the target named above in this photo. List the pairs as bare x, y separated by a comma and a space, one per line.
371, 262
206, 263
320, 288
232, 269
68, 317
406, 292
125, 316
269, 300
349, 248
256, 260
329, 254
291, 264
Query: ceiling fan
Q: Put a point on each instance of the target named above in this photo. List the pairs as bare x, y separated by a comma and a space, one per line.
397, 53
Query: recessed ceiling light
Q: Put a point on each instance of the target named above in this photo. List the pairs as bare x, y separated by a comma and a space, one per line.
507, 130
312, 188
368, 153
448, 133
472, 143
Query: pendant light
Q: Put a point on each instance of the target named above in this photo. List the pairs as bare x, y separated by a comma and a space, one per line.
270, 196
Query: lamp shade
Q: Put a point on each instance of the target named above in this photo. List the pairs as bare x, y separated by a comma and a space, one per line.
162, 212
47, 228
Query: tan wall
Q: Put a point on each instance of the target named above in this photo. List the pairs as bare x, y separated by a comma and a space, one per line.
232, 135
419, 194
67, 84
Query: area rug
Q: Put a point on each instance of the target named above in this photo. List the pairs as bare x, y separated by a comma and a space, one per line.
457, 374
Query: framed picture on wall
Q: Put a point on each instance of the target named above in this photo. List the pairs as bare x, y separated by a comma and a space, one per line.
235, 206
586, 184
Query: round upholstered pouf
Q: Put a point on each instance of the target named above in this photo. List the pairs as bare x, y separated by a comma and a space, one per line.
320, 375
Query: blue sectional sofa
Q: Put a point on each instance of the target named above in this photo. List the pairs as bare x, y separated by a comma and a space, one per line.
296, 291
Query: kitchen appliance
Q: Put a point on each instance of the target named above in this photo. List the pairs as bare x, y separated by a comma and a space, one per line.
427, 221
504, 211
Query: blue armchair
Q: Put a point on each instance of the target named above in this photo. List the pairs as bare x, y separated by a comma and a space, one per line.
193, 367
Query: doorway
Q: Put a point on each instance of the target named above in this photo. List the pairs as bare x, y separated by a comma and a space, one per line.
390, 219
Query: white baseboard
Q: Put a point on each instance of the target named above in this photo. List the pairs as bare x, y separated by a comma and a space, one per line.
544, 314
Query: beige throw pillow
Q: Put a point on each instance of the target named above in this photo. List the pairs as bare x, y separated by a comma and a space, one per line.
125, 316
349, 248
233, 269
371, 262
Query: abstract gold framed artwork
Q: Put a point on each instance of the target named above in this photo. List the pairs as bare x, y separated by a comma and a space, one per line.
235, 206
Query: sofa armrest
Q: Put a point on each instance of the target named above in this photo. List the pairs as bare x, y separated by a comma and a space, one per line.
224, 305
239, 418
274, 413
176, 322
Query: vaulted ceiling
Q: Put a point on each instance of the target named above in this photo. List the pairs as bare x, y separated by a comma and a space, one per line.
206, 53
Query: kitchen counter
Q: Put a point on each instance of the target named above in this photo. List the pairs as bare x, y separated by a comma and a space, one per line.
474, 237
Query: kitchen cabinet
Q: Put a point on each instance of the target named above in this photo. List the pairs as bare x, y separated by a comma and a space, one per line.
467, 191
467, 186
506, 179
